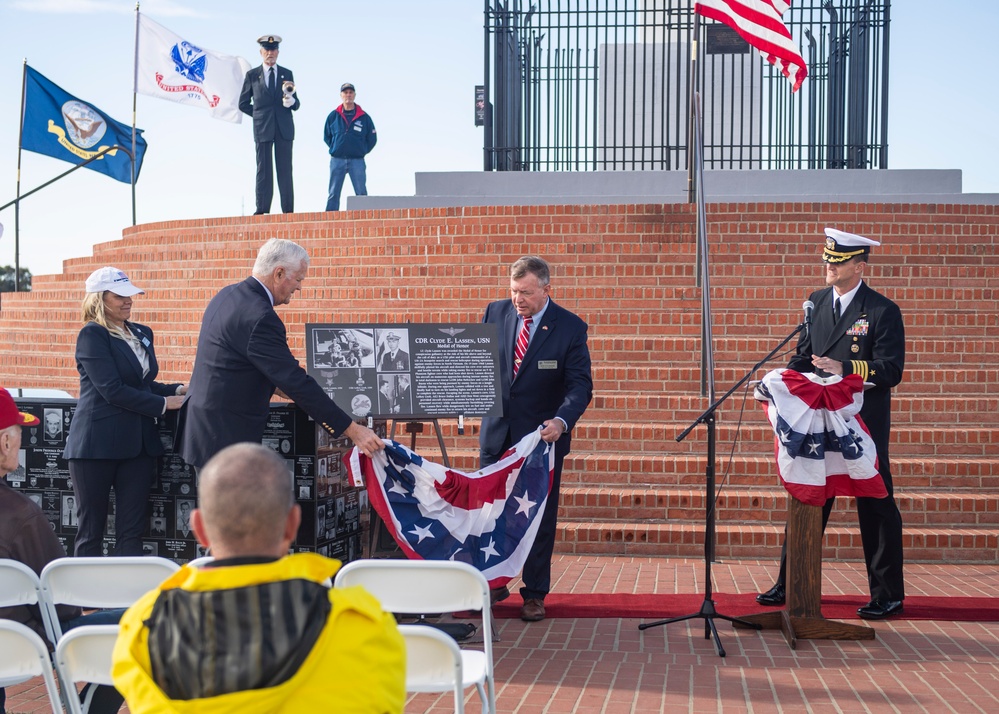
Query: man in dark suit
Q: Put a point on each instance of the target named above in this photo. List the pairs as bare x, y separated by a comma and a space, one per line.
545, 382
856, 330
269, 96
243, 356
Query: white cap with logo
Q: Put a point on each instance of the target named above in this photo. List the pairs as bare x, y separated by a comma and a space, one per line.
108, 278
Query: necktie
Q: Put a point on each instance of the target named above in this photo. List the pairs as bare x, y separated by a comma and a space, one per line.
836, 310
270, 79
522, 339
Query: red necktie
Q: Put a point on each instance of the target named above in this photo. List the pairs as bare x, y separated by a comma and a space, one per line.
522, 339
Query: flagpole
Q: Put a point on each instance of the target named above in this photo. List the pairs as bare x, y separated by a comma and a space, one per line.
135, 81
17, 192
692, 87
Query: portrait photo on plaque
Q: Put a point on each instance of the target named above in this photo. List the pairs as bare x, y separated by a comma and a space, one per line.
52, 421
393, 350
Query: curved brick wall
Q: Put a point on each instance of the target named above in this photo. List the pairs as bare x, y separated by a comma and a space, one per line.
629, 271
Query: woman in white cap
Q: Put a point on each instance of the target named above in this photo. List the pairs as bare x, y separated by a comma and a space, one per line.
113, 440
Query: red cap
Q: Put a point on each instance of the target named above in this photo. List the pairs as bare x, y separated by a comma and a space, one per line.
10, 414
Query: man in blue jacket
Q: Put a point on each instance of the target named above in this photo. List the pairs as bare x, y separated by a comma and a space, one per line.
350, 134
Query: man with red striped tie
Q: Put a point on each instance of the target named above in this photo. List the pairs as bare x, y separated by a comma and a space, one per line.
546, 383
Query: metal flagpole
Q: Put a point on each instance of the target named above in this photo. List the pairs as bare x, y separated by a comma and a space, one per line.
692, 88
17, 193
135, 82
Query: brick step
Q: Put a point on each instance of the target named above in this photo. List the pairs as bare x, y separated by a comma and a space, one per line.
906, 409
952, 545
666, 379
660, 437
657, 439
622, 470
928, 509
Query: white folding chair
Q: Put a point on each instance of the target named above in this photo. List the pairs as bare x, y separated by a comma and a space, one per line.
100, 582
415, 586
19, 585
433, 663
23, 656
84, 655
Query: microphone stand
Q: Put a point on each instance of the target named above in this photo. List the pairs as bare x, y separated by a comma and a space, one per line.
708, 612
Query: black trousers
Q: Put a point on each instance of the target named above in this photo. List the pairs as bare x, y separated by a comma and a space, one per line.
93, 480
881, 535
271, 154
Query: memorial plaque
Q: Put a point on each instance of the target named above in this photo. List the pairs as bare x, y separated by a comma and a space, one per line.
426, 370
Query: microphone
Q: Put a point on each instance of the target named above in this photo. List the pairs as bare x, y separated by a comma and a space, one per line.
808, 306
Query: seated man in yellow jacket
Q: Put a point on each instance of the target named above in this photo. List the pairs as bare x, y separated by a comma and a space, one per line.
256, 630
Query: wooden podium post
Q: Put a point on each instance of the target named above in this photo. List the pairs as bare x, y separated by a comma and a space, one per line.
802, 616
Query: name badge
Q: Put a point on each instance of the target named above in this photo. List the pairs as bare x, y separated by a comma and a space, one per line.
145, 341
547, 364
358, 127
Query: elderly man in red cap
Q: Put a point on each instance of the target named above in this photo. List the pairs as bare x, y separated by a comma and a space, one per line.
27, 537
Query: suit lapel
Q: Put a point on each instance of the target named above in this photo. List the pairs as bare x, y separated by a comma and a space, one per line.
126, 350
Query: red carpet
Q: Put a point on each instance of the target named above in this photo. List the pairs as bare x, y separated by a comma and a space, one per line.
834, 607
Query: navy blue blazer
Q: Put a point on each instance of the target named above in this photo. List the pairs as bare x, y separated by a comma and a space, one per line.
116, 415
553, 380
271, 119
242, 356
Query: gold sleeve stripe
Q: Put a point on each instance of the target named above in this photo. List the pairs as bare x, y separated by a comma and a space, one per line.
860, 367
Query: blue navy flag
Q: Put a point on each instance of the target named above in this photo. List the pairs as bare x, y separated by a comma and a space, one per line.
57, 124
488, 519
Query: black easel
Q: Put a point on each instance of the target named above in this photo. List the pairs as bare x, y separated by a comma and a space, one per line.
708, 612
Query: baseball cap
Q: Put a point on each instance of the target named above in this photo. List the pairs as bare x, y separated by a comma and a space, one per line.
347, 85
108, 278
10, 414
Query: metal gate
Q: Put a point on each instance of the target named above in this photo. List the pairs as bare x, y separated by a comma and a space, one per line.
590, 85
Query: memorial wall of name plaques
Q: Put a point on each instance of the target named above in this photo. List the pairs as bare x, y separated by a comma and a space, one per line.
334, 512
410, 370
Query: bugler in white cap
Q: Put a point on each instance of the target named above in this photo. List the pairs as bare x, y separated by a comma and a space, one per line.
841, 246
108, 278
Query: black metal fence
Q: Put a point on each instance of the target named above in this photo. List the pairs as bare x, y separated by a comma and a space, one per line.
587, 85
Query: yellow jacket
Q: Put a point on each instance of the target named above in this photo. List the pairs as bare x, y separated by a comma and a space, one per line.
357, 664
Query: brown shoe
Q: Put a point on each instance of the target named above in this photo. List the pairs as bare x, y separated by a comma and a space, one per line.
533, 610
498, 594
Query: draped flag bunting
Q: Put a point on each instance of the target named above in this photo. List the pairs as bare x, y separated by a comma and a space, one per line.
169, 67
822, 445
488, 518
57, 124
759, 23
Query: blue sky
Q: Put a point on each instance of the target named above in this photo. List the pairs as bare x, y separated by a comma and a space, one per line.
415, 64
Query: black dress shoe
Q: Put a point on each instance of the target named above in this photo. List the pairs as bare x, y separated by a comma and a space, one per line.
773, 596
880, 609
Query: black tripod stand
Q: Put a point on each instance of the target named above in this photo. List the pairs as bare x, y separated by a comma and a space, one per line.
708, 612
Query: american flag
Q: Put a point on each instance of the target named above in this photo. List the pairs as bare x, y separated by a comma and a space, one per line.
759, 23
822, 445
488, 518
